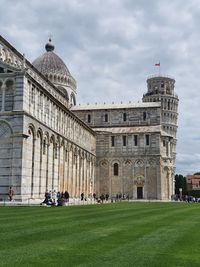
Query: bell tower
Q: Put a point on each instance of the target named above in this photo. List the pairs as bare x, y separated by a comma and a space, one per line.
161, 89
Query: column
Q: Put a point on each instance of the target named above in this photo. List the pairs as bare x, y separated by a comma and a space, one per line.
77, 174
3, 97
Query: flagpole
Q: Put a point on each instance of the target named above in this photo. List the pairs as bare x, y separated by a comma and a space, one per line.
158, 65
159, 68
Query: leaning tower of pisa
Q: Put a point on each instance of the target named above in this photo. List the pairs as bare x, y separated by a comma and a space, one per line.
161, 89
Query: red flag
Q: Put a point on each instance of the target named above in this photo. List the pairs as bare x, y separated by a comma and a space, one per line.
157, 64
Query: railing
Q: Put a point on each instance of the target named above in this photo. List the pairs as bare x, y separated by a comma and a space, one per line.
160, 76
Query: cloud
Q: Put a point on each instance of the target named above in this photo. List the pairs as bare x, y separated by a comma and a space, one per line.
110, 47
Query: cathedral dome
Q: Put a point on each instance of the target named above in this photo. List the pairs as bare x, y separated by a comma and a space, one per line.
55, 70
50, 63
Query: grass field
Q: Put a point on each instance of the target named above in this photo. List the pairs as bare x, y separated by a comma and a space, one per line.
122, 234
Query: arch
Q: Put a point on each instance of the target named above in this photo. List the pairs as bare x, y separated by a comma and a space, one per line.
40, 133
39, 145
113, 164
31, 129
139, 163
64, 91
31, 139
52, 139
62, 142
151, 162
9, 82
46, 136
116, 169
6, 148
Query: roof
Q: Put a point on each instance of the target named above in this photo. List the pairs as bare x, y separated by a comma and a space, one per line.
193, 179
50, 63
123, 130
117, 106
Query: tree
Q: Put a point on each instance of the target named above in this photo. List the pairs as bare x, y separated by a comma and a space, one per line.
180, 182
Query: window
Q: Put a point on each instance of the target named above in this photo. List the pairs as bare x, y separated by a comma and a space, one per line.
56, 151
164, 143
40, 100
135, 140
44, 147
168, 105
89, 118
116, 169
124, 117
32, 94
144, 116
112, 141
9, 96
124, 140
106, 118
147, 139
66, 154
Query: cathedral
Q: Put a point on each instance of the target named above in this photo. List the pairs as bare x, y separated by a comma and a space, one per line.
47, 142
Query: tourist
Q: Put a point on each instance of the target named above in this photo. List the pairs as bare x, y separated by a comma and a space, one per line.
54, 197
66, 196
10, 193
102, 197
82, 196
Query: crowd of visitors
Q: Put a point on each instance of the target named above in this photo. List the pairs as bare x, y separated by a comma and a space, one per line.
53, 198
185, 198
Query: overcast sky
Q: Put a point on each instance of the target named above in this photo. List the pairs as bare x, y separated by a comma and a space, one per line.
110, 48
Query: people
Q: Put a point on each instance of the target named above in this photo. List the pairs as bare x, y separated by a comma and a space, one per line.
102, 197
82, 196
66, 196
54, 197
10, 193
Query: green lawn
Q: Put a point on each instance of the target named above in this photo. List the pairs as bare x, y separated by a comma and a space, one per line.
122, 234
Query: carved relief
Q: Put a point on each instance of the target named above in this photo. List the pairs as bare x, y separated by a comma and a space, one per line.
5, 130
151, 162
127, 162
139, 163
104, 163
9, 58
139, 181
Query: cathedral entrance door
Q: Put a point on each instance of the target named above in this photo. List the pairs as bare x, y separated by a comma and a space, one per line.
139, 192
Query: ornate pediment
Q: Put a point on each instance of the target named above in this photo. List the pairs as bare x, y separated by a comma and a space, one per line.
9, 58
6, 68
